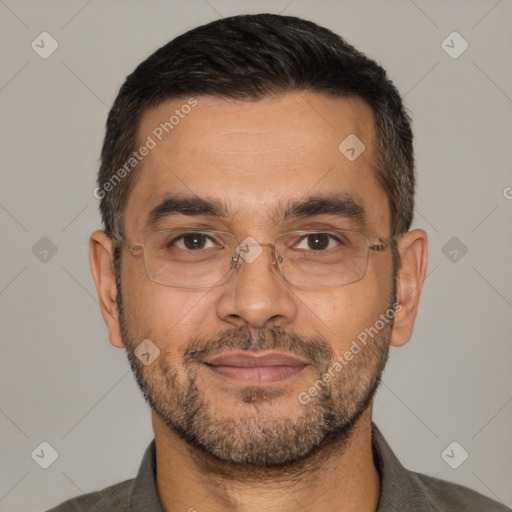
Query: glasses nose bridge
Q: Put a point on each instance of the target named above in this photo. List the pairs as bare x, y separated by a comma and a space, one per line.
275, 257
269, 244
239, 259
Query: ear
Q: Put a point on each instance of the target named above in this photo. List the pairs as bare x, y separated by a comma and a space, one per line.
100, 260
414, 255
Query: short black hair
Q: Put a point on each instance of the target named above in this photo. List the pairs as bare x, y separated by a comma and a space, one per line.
250, 57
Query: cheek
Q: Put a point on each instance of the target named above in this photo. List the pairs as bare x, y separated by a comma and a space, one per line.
168, 316
339, 315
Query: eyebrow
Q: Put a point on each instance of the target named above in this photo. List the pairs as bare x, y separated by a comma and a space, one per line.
340, 205
186, 205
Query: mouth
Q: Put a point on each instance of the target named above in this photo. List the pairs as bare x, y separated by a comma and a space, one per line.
255, 369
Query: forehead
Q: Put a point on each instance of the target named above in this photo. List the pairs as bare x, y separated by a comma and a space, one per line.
254, 156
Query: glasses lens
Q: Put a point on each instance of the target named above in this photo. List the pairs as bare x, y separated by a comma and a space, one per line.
322, 259
189, 259
202, 259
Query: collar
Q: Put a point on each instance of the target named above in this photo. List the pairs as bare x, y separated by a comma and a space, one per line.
397, 488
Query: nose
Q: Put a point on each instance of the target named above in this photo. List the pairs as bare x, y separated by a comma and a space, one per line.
256, 295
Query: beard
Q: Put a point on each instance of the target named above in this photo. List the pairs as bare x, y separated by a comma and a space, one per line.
259, 437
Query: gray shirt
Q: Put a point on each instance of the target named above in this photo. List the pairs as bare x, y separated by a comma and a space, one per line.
401, 489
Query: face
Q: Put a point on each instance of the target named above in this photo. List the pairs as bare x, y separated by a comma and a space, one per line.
239, 363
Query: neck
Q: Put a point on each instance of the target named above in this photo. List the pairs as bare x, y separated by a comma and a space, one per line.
337, 476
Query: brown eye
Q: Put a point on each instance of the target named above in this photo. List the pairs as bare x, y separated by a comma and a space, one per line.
318, 241
194, 241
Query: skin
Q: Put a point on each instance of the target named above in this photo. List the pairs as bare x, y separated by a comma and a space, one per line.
254, 155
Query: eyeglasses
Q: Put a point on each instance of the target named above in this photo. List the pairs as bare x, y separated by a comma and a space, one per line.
189, 258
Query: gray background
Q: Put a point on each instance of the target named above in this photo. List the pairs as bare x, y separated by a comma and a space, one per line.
61, 380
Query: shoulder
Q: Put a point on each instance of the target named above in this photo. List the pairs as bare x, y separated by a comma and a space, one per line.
443, 495
111, 498
403, 489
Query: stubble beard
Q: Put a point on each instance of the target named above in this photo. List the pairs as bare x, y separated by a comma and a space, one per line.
261, 438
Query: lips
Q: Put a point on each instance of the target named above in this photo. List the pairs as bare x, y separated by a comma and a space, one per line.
255, 369
248, 359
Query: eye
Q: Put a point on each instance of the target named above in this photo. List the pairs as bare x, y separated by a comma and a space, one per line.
193, 242
318, 242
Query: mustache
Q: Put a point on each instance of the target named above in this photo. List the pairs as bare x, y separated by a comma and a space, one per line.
314, 349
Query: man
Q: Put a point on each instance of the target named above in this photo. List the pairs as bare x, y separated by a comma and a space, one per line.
257, 190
